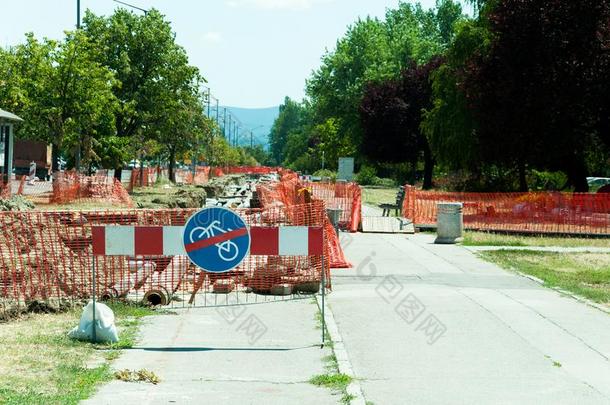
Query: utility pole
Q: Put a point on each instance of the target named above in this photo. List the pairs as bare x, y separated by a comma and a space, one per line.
224, 125
237, 138
78, 14
217, 113
229, 134
251, 144
209, 101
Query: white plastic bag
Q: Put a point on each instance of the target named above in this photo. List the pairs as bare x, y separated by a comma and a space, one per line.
105, 329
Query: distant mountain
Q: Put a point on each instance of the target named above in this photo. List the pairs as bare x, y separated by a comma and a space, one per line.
259, 120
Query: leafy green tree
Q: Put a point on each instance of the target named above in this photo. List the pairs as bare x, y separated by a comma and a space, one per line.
391, 114
536, 93
335, 89
157, 88
325, 139
291, 119
374, 51
25, 75
82, 103
449, 125
63, 94
260, 155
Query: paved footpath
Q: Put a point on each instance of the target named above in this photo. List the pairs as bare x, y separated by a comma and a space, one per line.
257, 354
433, 324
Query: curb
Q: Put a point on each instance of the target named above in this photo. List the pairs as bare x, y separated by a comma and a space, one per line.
343, 362
544, 249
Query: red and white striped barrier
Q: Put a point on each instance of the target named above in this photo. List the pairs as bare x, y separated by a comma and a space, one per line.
118, 240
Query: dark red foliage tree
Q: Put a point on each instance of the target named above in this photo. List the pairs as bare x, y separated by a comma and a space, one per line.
540, 95
391, 115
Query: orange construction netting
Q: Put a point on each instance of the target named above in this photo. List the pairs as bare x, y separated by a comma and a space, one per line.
535, 212
345, 196
71, 187
144, 177
289, 191
200, 176
48, 256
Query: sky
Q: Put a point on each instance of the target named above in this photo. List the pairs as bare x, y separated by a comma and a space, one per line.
252, 52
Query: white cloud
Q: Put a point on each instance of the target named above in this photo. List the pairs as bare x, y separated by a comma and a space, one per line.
276, 4
212, 37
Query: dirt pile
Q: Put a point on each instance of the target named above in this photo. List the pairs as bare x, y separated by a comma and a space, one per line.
170, 196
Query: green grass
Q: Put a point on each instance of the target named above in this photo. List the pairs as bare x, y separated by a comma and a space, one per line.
374, 196
332, 379
39, 364
338, 382
494, 239
585, 274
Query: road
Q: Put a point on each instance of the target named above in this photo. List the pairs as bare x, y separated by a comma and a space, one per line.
433, 324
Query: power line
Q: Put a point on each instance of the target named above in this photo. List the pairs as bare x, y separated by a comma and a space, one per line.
229, 123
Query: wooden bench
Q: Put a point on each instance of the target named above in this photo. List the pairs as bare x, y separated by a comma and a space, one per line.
397, 207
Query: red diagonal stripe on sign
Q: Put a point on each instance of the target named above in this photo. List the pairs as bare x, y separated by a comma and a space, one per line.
204, 243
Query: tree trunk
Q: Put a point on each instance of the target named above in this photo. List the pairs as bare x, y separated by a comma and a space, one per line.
413, 172
117, 173
55, 158
170, 166
577, 176
522, 179
428, 167
141, 171
581, 185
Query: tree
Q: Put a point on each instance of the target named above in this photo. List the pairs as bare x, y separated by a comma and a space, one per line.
374, 50
156, 86
259, 153
392, 113
26, 72
536, 93
182, 128
449, 124
63, 94
290, 119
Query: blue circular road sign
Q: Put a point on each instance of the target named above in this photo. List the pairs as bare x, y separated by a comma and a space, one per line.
216, 239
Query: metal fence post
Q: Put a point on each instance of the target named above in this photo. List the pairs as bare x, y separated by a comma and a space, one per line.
323, 303
93, 276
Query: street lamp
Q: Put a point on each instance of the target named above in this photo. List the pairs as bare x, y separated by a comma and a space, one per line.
132, 6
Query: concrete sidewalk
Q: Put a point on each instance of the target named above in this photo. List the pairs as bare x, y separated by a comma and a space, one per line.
433, 324
256, 354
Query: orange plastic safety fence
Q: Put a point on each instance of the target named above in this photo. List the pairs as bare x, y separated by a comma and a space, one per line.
217, 172
143, 177
289, 191
48, 256
344, 196
70, 187
536, 212
200, 177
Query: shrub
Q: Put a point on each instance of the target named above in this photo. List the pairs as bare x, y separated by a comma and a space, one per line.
327, 173
366, 176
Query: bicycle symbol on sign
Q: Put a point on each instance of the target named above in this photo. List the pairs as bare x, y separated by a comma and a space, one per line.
227, 250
